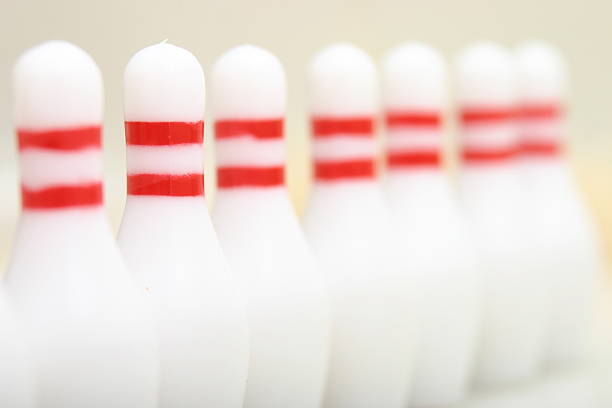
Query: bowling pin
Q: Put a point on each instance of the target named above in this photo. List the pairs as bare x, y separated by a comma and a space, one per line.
428, 220
514, 311
288, 304
91, 335
167, 237
543, 85
16, 376
348, 224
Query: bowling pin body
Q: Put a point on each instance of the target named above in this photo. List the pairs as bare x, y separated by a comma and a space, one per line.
428, 220
16, 375
514, 279
348, 226
91, 335
555, 196
167, 237
288, 304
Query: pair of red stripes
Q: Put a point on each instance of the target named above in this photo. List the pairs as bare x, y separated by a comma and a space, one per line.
357, 168
164, 134
413, 119
60, 196
250, 176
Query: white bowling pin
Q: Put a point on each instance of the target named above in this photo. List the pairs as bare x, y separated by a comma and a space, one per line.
16, 379
167, 237
555, 196
348, 225
288, 305
92, 338
428, 220
515, 309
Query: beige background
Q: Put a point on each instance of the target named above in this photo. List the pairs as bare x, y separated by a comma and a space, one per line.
113, 30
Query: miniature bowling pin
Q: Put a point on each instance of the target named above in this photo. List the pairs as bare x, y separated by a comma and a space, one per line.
92, 337
167, 237
514, 310
570, 234
428, 220
288, 304
348, 225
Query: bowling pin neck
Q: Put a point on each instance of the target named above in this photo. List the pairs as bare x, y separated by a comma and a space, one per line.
61, 168
344, 150
250, 154
258, 205
547, 173
83, 226
423, 185
164, 159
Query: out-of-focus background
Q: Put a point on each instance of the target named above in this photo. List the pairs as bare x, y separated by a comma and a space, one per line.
112, 30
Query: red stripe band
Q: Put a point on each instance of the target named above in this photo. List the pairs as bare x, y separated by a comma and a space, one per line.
551, 111
259, 129
82, 195
163, 133
61, 139
490, 156
478, 115
420, 119
348, 169
414, 159
540, 148
232, 177
183, 185
358, 126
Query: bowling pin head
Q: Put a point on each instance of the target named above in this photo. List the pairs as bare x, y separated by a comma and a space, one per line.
542, 82
58, 115
415, 95
343, 106
249, 97
487, 102
164, 122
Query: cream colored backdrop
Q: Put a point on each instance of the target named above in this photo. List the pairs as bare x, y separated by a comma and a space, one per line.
113, 30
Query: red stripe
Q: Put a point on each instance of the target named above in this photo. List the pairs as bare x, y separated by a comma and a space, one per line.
62, 196
540, 148
163, 133
487, 155
185, 185
477, 115
421, 119
347, 169
259, 129
358, 126
551, 111
61, 139
231, 177
414, 159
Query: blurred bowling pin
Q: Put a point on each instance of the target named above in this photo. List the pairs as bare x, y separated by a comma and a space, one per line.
288, 305
16, 380
543, 86
93, 341
347, 223
167, 236
515, 291
426, 215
